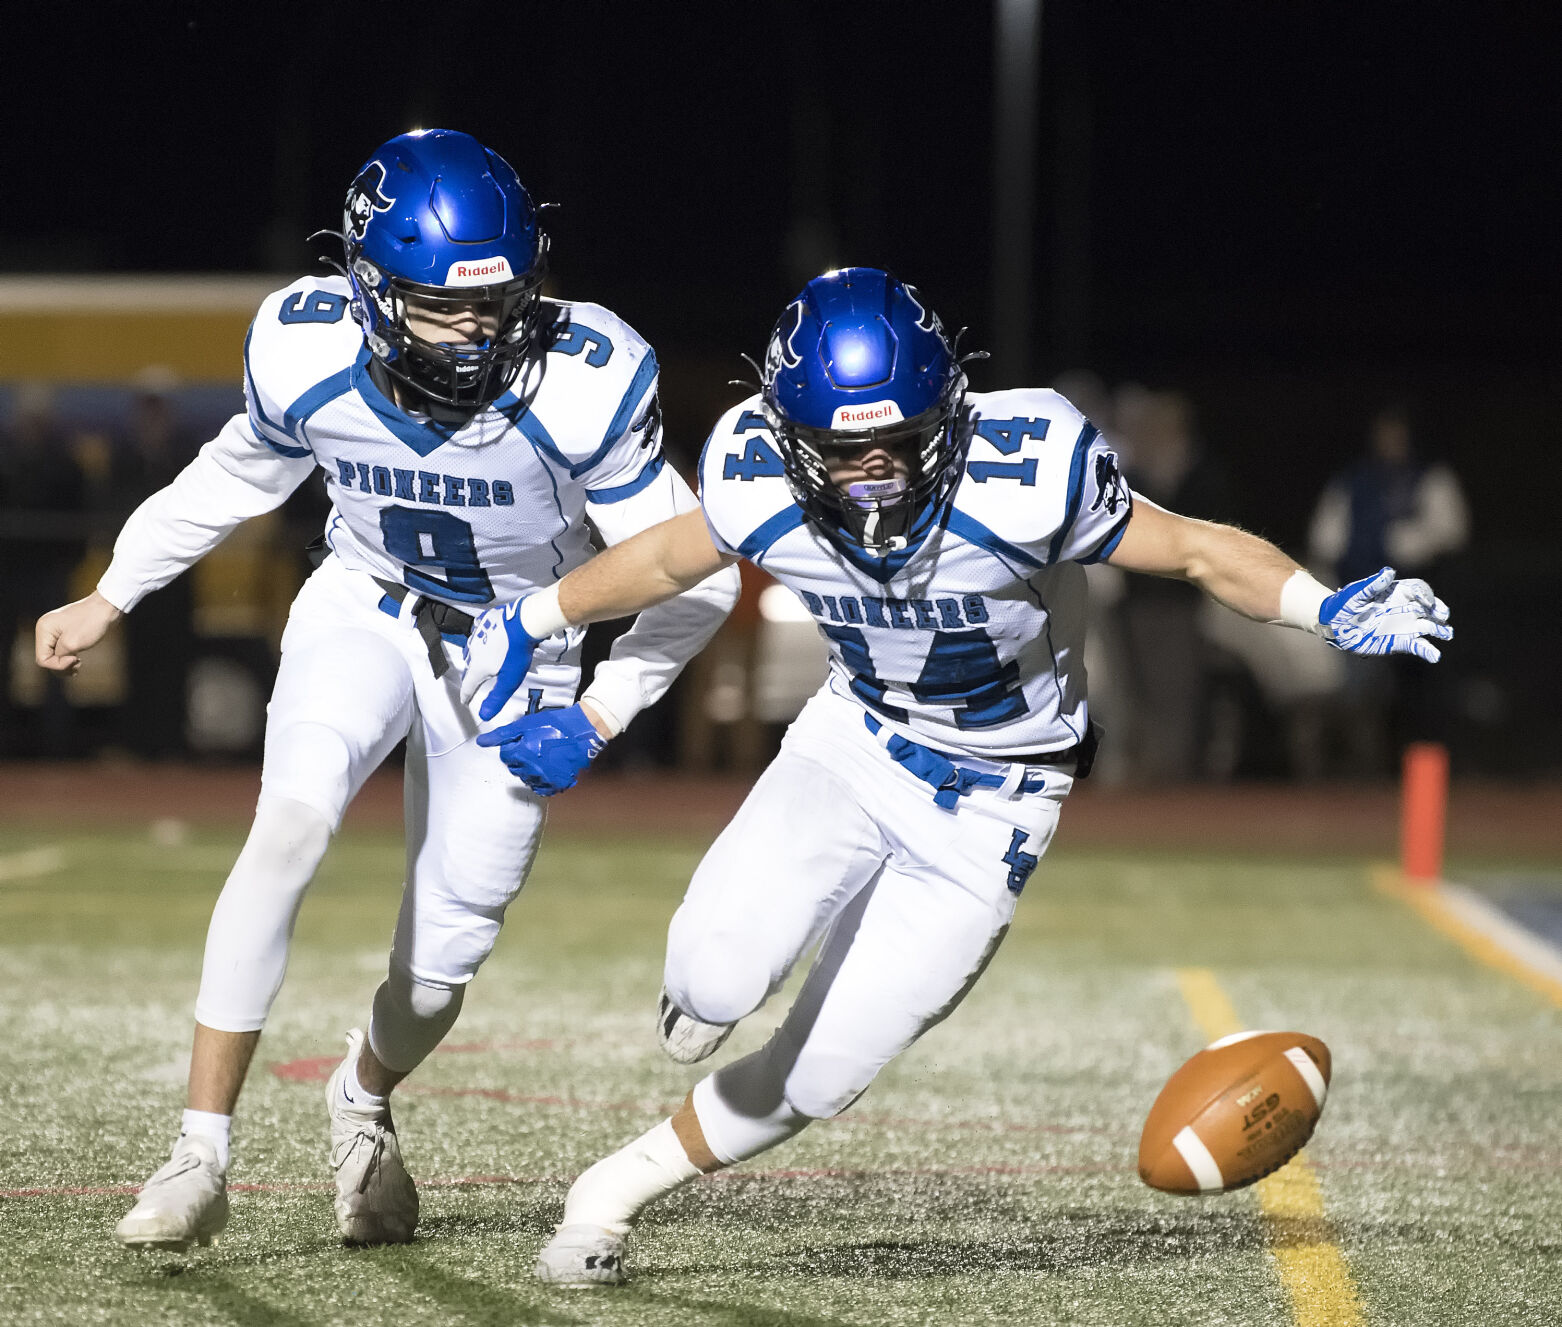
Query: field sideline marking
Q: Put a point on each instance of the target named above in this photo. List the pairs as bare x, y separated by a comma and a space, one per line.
1480, 929
1312, 1268
30, 864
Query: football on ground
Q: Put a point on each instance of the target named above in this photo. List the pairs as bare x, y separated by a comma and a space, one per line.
1239, 1109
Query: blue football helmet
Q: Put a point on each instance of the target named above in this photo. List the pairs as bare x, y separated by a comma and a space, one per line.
437, 218
858, 361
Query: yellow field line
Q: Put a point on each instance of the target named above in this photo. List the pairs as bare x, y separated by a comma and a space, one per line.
1311, 1267
1434, 909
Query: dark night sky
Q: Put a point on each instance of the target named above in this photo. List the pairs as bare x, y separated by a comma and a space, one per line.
1284, 207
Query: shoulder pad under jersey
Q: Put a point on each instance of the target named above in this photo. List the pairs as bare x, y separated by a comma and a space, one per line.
303, 343
596, 398
1039, 479
743, 485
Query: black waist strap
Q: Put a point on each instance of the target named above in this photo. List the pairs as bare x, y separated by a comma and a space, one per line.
433, 618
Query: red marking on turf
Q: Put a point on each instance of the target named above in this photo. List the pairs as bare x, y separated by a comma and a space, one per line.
318, 1068
520, 1099
849, 1173
315, 1070
994, 1126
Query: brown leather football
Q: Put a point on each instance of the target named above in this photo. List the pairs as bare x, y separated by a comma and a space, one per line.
1239, 1109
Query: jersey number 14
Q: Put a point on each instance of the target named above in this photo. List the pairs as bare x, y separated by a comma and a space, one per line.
962, 671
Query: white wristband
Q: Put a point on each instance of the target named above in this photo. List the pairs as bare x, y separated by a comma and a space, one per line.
539, 614
1301, 598
615, 725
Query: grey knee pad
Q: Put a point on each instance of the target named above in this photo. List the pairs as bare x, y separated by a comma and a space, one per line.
410, 1018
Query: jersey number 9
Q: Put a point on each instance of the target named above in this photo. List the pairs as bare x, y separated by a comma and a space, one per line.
436, 539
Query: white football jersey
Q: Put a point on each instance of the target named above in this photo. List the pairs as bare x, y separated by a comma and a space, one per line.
472, 515
972, 639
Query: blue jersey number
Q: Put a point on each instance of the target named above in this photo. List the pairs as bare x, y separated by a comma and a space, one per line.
1008, 436
758, 459
962, 672
865, 686
962, 669
436, 539
573, 338
313, 306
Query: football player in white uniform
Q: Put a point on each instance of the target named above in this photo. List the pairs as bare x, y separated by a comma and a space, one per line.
936, 536
472, 435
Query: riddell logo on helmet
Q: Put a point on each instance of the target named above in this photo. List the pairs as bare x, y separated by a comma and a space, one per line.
483, 272
870, 415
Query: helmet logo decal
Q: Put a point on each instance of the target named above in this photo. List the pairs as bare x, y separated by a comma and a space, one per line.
781, 353
483, 272
870, 414
927, 320
365, 197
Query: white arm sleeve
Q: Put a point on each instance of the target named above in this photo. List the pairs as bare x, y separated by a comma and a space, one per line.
646, 658
1441, 523
1330, 528
233, 478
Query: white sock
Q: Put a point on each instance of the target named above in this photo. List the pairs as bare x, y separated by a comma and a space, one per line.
611, 1193
212, 1127
357, 1095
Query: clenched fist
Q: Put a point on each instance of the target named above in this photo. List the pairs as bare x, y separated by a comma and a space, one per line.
64, 634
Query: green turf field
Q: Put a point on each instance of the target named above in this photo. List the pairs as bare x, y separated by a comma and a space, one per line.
987, 1177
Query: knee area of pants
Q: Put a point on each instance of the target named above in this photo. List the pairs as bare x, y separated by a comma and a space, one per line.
285, 827
309, 762
719, 982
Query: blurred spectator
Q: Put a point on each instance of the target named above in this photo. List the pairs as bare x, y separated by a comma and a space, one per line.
150, 449
42, 538
1168, 656
1088, 394
1391, 508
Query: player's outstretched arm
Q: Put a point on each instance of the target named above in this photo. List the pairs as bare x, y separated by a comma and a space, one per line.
64, 634
654, 565
1378, 614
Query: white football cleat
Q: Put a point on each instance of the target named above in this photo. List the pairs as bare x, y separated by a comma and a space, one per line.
183, 1203
376, 1200
578, 1257
683, 1037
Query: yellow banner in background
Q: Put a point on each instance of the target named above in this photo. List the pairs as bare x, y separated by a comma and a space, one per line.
107, 329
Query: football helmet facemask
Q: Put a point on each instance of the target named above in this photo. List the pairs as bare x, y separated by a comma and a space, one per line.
436, 224
856, 363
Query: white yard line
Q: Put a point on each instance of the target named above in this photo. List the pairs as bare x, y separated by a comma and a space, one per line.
1525, 945
31, 863
1482, 929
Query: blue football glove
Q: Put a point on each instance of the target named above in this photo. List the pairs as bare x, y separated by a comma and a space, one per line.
1381, 615
548, 750
501, 648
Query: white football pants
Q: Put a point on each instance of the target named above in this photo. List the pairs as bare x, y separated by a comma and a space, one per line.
353, 681
836, 842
